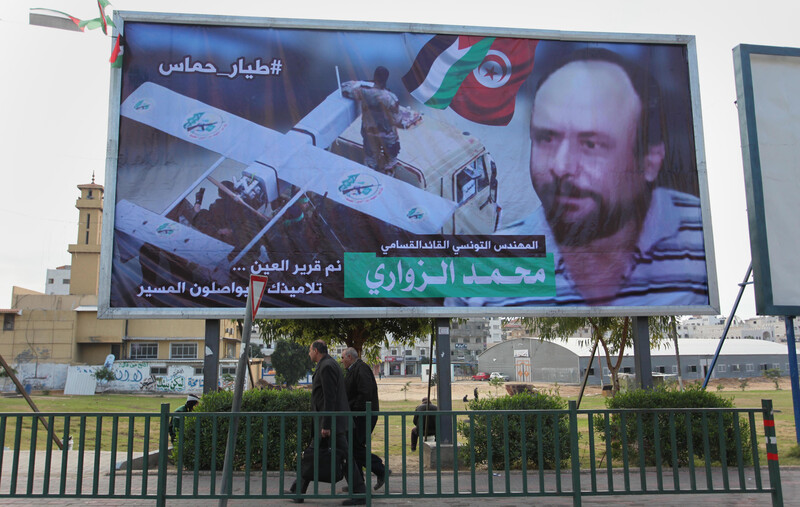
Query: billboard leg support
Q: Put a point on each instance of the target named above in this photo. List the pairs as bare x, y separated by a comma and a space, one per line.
444, 388
641, 352
792, 346
211, 357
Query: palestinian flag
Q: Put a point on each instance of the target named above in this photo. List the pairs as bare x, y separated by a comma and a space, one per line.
477, 77
54, 19
57, 19
102, 4
116, 53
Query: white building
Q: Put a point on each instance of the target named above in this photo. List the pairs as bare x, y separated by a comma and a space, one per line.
57, 283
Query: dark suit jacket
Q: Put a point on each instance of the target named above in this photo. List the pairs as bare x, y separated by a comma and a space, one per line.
429, 421
328, 394
361, 387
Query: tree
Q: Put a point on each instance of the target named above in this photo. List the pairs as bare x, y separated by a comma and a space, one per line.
613, 334
291, 361
364, 335
255, 351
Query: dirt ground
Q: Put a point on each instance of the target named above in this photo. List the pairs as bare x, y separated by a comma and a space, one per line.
390, 388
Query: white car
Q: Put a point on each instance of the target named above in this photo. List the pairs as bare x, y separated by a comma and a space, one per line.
497, 374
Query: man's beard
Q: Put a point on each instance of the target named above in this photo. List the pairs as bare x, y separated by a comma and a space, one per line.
603, 220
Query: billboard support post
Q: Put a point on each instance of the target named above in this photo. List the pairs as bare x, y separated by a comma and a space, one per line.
641, 351
792, 346
211, 356
443, 375
728, 324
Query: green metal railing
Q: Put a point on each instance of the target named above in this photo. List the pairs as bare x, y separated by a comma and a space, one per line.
540, 453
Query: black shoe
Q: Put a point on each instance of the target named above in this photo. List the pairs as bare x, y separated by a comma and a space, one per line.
291, 491
382, 479
355, 501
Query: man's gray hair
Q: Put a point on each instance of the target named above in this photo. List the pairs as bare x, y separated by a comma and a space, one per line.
351, 353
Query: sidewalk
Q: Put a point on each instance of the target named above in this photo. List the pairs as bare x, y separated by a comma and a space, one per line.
790, 480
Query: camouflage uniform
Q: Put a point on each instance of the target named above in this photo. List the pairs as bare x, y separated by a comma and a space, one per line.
380, 117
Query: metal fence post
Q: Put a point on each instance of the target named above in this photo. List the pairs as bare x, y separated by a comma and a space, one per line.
163, 449
368, 453
575, 456
772, 453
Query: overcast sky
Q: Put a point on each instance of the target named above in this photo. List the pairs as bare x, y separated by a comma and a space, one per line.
55, 87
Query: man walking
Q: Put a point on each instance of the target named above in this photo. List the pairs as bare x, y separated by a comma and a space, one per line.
361, 387
328, 395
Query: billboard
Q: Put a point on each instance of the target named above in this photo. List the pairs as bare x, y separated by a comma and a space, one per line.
767, 80
392, 170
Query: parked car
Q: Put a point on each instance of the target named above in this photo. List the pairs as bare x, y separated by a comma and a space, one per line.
481, 376
497, 374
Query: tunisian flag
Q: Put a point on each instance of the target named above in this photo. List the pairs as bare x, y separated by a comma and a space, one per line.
477, 77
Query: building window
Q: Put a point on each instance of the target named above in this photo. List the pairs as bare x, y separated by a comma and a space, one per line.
50, 280
158, 370
692, 368
763, 367
198, 371
394, 352
674, 368
423, 352
749, 367
660, 369
183, 351
87, 237
408, 352
736, 367
627, 369
776, 366
65, 281
88, 221
8, 322
144, 351
230, 350
722, 368
229, 370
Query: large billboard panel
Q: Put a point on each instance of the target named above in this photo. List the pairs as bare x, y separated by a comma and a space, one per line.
375, 170
767, 80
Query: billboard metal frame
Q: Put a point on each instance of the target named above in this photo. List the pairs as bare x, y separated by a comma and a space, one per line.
688, 41
754, 175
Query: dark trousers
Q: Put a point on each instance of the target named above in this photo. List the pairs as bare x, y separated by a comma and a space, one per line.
360, 446
357, 486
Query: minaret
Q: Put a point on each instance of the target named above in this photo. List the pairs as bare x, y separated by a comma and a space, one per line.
86, 251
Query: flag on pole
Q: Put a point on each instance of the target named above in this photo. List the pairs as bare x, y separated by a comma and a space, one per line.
54, 19
477, 77
116, 53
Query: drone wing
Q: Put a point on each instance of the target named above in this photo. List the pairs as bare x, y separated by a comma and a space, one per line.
297, 157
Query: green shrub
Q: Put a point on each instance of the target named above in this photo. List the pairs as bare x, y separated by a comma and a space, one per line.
693, 397
104, 374
533, 437
254, 400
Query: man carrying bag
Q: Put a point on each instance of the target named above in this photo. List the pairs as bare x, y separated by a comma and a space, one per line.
328, 395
